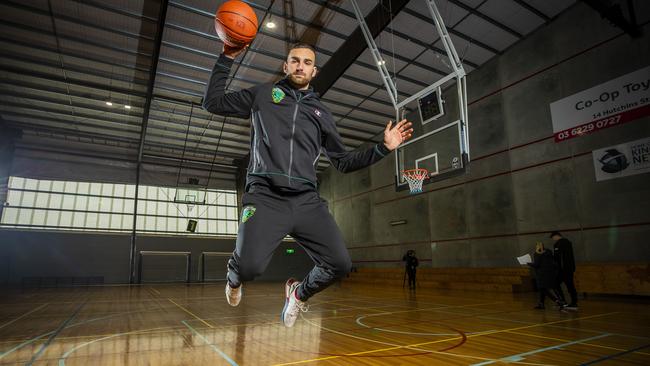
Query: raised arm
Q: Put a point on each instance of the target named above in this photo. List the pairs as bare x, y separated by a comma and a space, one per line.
349, 161
217, 101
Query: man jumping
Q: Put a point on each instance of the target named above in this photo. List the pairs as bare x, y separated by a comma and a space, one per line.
290, 127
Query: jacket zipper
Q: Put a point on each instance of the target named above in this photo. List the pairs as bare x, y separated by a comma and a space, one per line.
293, 130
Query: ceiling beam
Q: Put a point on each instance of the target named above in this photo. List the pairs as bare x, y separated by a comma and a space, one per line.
378, 19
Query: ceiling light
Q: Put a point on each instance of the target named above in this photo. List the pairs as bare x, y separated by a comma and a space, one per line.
109, 104
381, 62
270, 24
127, 106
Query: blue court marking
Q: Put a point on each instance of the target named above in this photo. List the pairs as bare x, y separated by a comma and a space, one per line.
520, 356
605, 358
54, 334
217, 350
30, 341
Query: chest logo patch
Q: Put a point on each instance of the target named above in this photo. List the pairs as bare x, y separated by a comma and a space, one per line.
277, 94
318, 113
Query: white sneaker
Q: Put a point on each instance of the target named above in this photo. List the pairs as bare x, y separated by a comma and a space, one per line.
292, 306
233, 295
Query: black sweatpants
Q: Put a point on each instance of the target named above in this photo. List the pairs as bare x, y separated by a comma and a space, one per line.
306, 218
567, 279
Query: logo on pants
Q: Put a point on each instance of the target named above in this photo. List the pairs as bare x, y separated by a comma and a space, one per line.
248, 212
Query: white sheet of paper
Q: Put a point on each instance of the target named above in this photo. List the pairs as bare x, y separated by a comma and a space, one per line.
524, 259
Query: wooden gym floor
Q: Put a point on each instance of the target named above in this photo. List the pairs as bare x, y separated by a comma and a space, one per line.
349, 324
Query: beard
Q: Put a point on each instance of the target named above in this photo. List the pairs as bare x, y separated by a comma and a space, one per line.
299, 81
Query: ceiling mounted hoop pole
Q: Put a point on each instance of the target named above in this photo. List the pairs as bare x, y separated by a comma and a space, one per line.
376, 55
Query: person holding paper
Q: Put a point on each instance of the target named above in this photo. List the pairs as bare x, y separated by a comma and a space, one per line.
546, 275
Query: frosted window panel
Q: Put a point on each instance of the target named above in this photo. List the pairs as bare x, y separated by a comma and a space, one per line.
68, 202
38, 217
230, 199
118, 205
96, 189
91, 220
212, 226
28, 199
52, 218
116, 221
9, 215
103, 221
31, 184
150, 223
70, 187
127, 222
140, 223
212, 212
151, 208
44, 185
232, 227
152, 192
221, 227
56, 200
107, 189
84, 187
16, 182
93, 203
161, 224
128, 206
80, 204
66, 218
130, 191
57, 186
104, 204
119, 190
172, 223
24, 217
221, 212
13, 198
142, 206
41, 199
221, 199
231, 213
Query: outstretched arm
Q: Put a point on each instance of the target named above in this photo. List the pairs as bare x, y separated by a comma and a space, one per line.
349, 161
216, 100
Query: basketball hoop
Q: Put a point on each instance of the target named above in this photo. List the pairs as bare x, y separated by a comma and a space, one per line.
415, 177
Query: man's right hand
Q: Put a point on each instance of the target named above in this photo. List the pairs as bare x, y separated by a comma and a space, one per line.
233, 52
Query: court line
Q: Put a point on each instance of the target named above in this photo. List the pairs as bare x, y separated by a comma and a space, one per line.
191, 313
217, 350
520, 356
409, 346
24, 315
358, 321
65, 355
563, 327
615, 355
586, 344
54, 334
394, 346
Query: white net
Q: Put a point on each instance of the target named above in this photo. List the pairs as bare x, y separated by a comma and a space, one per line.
415, 177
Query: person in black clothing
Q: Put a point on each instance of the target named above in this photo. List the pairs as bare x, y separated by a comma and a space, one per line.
563, 255
546, 275
290, 127
411, 265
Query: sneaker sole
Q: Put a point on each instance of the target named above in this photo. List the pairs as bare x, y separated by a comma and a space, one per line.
287, 289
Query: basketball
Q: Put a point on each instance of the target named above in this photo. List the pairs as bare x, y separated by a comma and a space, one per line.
236, 23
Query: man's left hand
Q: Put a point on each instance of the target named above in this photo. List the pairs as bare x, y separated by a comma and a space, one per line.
395, 136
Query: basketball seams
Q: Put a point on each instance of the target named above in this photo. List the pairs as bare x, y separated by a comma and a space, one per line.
240, 15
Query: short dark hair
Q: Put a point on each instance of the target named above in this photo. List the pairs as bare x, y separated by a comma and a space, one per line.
302, 45
555, 233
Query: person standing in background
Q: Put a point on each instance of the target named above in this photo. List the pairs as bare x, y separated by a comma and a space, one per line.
411, 265
563, 255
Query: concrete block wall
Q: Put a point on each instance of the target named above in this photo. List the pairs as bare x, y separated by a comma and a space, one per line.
521, 184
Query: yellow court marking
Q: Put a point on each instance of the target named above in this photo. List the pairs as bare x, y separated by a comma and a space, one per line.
409, 346
568, 340
157, 292
191, 313
24, 315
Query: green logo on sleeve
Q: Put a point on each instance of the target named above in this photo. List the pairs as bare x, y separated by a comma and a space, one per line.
277, 94
248, 212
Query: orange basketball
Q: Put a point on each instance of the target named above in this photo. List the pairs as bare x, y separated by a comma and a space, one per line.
236, 23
